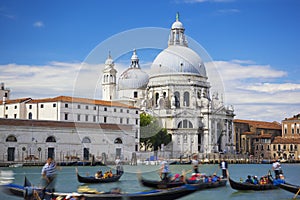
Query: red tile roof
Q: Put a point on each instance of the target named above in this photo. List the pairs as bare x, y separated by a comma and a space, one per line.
46, 123
281, 140
260, 124
71, 100
295, 117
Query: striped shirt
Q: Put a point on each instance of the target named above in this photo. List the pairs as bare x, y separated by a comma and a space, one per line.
49, 169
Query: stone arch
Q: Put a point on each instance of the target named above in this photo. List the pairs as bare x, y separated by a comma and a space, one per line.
118, 141
51, 139
86, 140
11, 138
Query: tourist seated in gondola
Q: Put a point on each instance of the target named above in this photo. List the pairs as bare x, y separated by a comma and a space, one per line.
99, 174
255, 180
175, 178
278, 180
110, 174
249, 180
194, 178
215, 178
105, 175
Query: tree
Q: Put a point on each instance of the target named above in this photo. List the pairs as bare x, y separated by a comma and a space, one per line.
152, 134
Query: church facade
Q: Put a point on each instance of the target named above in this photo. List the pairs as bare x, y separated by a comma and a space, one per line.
177, 92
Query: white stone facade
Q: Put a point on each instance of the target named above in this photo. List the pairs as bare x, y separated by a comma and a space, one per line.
110, 127
177, 92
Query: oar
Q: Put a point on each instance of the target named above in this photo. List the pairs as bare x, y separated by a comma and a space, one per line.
296, 194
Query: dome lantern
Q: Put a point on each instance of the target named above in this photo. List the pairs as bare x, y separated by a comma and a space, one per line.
177, 36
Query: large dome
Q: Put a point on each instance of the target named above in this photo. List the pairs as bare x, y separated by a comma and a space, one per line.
178, 59
133, 78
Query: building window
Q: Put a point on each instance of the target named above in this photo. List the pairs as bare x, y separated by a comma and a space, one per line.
137, 112
256, 147
115, 110
78, 106
86, 140
135, 94
279, 147
54, 105
42, 105
6, 116
127, 111
66, 116
121, 120
136, 134
186, 99
86, 118
86, 107
121, 110
268, 148
136, 147
51, 139
295, 147
127, 120
262, 147
105, 119
274, 147
11, 138
118, 141
105, 109
16, 107
15, 116
284, 147
95, 107
30, 115
66, 105
78, 117
285, 130
136, 121
94, 118
30, 106
291, 147
293, 130
177, 99
6, 108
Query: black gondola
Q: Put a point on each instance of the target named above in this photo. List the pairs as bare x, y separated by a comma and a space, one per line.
248, 186
166, 194
290, 187
209, 185
160, 184
92, 179
199, 185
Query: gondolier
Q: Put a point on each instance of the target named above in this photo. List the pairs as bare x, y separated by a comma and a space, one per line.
276, 166
49, 175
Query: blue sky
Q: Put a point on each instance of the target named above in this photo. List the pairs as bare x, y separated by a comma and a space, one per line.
255, 45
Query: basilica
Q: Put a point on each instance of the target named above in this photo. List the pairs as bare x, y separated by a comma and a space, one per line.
177, 93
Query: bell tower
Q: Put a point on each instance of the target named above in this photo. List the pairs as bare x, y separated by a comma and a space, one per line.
109, 80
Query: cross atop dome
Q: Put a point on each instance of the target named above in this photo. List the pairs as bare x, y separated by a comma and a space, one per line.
177, 36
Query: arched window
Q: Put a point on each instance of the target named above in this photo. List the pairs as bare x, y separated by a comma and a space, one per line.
118, 141
185, 124
86, 140
30, 115
51, 139
11, 138
186, 99
156, 97
177, 99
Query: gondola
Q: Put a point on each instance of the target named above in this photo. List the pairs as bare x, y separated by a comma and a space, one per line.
166, 194
208, 185
247, 186
92, 179
199, 185
160, 184
288, 187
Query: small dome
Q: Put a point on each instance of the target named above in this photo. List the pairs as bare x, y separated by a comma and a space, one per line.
133, 78
109, 61
177, 25
178, 60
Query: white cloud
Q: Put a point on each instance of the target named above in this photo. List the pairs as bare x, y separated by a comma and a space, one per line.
38, 24
258, 91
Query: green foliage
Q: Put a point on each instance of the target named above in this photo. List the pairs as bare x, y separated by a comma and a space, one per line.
152, 134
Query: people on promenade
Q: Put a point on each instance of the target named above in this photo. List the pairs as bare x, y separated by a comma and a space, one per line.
49, 175
224, 167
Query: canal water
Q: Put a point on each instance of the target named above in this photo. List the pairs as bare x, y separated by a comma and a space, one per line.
67, 180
